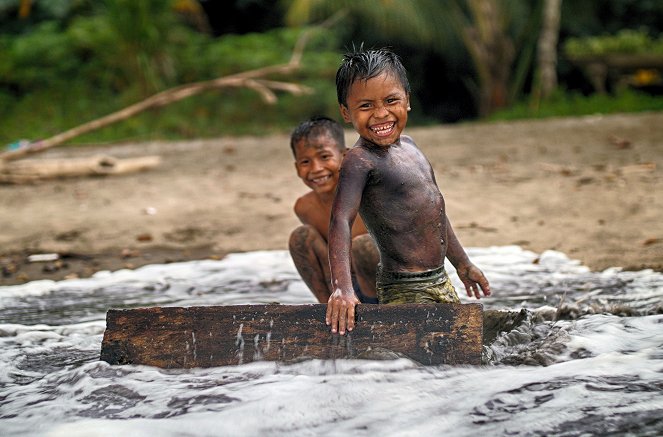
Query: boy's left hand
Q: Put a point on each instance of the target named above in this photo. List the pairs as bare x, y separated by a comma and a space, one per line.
341, 311
473, 279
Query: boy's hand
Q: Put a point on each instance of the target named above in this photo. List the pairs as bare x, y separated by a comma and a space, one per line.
473, 279
341, 311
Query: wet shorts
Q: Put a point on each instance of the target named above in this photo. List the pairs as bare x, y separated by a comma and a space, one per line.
430, 286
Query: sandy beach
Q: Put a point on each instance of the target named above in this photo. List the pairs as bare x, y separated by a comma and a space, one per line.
589, 187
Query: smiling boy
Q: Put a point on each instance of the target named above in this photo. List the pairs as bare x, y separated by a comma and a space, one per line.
390, 183
318, 146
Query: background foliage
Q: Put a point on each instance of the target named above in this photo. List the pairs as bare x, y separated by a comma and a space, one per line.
65, 62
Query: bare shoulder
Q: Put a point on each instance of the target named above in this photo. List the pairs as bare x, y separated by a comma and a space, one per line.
359, 158
357, 151
305, 205
406, 139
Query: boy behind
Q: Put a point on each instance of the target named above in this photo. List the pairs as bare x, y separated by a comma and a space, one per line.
318, 146
390, 183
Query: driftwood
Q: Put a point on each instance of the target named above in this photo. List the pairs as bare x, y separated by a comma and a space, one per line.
178, 337
33, 170
253, 79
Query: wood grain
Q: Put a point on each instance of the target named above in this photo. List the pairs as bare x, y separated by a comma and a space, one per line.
186, 337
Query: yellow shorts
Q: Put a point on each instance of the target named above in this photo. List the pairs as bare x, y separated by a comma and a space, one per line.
430, 286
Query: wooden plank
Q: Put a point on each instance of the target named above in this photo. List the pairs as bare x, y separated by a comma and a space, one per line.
186, 337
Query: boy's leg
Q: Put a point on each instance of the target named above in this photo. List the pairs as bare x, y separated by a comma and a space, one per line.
309, 252
365, 259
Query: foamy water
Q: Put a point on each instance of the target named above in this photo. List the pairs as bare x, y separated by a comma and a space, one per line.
597, 370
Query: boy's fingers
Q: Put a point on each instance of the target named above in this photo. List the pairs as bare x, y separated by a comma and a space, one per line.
342, 320
351, 318
485, 286
334, 318
331, 317
340, 315
468, 288
328, 315
472, 289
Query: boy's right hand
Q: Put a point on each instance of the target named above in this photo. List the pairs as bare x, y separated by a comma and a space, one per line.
341, 311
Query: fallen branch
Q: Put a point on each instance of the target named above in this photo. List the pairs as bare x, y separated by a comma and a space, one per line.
248, 79
33, 170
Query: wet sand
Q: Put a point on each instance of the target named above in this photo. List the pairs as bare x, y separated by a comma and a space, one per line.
589, 187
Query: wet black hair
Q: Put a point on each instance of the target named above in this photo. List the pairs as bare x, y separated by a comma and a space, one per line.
360, 64
316, 126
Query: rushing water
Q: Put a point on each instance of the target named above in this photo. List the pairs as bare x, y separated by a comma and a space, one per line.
588, 360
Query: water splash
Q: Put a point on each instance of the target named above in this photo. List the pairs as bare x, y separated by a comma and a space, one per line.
585, 359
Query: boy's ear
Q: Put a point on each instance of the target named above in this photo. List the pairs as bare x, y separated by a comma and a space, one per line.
345, 113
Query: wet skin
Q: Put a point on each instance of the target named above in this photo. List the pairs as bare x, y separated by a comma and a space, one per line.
390, 183
318, 162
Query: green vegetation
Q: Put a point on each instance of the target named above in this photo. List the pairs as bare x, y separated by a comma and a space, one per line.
626, 41
575, 104
66, 62
60, 74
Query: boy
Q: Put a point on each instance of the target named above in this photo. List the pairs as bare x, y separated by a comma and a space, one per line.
318, 146
390, 183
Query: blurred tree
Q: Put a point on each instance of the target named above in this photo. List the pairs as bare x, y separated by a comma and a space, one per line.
24, 9
140, 33
588, 17
241, 16
22, 16
485, 33
547, 47
487, 29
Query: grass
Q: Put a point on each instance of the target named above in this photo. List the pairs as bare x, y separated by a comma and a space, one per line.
217, 113
574, 104
242, 112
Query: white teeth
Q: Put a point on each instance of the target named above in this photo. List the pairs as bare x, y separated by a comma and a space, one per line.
383, 128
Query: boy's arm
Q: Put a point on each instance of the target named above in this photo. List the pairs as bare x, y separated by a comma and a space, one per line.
342, 302
469, 274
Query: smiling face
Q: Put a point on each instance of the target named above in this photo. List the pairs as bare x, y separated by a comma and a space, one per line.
318, 162
377, 108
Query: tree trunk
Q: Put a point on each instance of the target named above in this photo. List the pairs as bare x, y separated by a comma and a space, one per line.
33, 170
547, 47
492, 52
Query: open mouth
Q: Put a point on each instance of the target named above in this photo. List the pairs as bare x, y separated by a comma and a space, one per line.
320, 180
383, 130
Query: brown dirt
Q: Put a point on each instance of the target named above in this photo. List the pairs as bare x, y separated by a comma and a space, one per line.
590, 187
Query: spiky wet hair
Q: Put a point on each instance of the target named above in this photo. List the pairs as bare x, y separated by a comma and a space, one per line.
316, 126
361, 64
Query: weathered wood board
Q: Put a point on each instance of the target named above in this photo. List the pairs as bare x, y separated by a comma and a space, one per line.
208, 336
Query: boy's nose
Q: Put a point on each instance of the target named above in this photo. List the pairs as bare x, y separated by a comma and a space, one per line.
381, 112
316, 165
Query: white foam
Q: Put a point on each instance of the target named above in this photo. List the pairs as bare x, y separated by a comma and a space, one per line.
601, 370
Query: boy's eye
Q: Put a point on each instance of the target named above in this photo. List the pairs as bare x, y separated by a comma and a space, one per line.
303, 162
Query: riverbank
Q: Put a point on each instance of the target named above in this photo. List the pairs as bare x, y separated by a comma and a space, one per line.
589, 187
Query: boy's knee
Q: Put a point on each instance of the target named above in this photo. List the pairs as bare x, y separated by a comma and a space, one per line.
365, 256
297, 236
363, 246
302, 236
